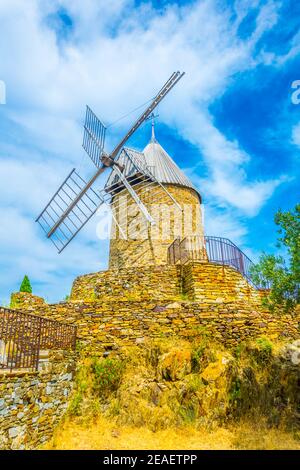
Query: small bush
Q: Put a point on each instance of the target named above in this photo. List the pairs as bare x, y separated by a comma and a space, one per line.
202, 352
235, 393
238, 351
26, 286
197, 357
188, 413
265, 349
193, 383
82, 387
107, 374
75, 404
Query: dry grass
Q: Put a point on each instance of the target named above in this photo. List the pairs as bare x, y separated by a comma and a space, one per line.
254, 437
159, 390
104, 434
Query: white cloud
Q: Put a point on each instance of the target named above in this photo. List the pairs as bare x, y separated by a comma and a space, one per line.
115, 58
226, 162
24, 250
248, 200
223, 222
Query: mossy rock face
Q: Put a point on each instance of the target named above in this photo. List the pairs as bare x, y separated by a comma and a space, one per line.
267, 384
217, 370
160, 387
175, 364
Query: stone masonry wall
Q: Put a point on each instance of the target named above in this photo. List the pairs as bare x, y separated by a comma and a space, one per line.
103, 326
212, 282
32, 403
24, 299
156, 282
201, 282
146, 245
115, 309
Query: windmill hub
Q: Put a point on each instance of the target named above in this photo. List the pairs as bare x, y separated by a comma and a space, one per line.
106, 160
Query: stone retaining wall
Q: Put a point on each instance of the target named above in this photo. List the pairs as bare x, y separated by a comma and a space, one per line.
113, 324
24, 300
157, 282
212, 282
32, 403
117, 308
202, 282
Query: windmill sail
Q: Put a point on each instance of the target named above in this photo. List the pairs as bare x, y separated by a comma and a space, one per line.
76, 201
93, 137
82, 210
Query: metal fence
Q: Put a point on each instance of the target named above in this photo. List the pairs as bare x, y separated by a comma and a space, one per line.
188, 248
23, 336
216, 250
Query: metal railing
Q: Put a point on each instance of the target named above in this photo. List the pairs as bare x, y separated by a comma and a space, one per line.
216, 250
188, 248
23, 336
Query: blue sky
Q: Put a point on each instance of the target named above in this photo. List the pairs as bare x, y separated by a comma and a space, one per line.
230, 123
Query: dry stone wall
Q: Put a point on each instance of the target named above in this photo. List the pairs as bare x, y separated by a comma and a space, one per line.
208, 282
24, 300
114, 324
32, 403
157, 282
202, 282
115, 309
145, 245
166, 301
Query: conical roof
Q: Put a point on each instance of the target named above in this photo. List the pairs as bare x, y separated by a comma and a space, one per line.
163, 166
159, 162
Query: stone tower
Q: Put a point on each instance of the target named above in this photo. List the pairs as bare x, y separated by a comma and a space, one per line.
172, 201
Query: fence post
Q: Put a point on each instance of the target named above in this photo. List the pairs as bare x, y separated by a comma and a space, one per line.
222, 253
38, 344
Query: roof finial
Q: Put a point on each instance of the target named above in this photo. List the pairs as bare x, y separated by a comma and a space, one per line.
152, 117
153, 133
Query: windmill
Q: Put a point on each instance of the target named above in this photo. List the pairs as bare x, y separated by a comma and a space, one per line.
77, 200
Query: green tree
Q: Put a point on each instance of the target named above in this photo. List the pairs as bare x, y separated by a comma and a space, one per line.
282, 273
26, 286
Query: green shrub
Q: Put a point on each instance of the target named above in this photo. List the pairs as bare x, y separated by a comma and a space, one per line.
107, 374
235, 393
282, 272
198, 356
188, 412
193, 383
238, 351
75, 404
26, 286
265, 349
202, 352
82, 385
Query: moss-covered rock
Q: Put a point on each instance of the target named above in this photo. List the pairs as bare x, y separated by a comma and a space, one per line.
161, 387
174, 365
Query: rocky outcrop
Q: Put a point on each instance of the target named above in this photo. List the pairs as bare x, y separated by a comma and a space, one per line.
167, 383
